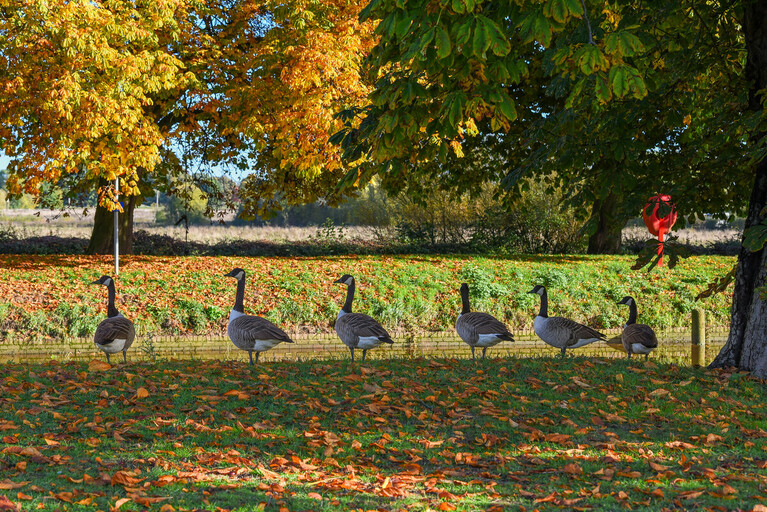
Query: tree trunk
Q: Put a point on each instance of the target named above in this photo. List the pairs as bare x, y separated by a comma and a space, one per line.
102, 236
746, 346
610, 224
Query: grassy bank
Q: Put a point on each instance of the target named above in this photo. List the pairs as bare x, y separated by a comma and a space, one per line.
409, 434
49, 296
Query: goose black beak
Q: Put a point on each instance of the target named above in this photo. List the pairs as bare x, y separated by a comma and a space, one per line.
229, 274
338, 281
532, 291
97, 281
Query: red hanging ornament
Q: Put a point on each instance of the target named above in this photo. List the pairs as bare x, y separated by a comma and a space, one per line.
659, 226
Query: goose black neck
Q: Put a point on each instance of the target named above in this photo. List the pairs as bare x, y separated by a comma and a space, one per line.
349, 298
544, 312
465, 300
632, 313
240, 296
111, 309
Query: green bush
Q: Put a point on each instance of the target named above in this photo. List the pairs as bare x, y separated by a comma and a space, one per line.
187, 199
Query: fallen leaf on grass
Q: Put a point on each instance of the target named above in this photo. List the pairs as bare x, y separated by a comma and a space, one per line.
7, 485
27, 451
119, 503
99, 366
7, 505
141, 393
713, 438
573, 469
580, 383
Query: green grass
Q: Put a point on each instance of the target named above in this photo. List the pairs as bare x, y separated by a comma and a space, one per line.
169, 295
501, 434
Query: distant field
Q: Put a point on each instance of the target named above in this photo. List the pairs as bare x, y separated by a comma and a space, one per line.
30, 223
49, 296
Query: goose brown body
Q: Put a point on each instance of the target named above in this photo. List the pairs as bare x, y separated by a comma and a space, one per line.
560, 332
249, 332
637, 338
358, 330
478, 329
116, 333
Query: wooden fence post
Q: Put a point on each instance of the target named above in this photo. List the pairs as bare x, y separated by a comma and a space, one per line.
698, 337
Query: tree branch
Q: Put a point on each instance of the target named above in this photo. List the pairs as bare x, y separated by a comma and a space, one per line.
588, 23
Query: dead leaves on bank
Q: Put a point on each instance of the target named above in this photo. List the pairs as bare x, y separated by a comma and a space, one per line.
433, 435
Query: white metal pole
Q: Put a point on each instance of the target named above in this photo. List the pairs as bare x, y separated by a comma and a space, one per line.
117, 230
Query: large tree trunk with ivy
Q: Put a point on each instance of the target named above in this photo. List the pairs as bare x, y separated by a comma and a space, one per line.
607, 216
102, 236
746, 346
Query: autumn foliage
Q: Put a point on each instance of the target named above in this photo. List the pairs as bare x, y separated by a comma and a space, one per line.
90, 91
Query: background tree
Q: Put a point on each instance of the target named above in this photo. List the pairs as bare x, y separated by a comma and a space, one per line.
629, 73
630, 143
94, 91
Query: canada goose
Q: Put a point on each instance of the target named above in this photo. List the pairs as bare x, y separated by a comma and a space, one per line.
116, 333
637, 338
358, 330
479, 329
248, 332
559, 332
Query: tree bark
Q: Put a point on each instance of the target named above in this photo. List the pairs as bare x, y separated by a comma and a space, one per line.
102, 236
610, 224
746, 346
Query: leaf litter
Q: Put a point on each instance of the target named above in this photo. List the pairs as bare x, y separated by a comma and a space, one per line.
502, 434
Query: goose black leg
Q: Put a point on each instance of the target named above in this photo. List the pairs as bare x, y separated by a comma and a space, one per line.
629, 356
472, 352
250, 355
257, 354
125, 359
646, 356
364, 353
352, 350
563, 352
107, 353
484, 349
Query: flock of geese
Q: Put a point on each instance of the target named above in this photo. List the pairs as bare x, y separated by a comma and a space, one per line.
360, 331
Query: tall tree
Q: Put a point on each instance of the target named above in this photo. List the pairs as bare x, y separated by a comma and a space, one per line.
613, 105
746, 346
93, 91
667, 78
